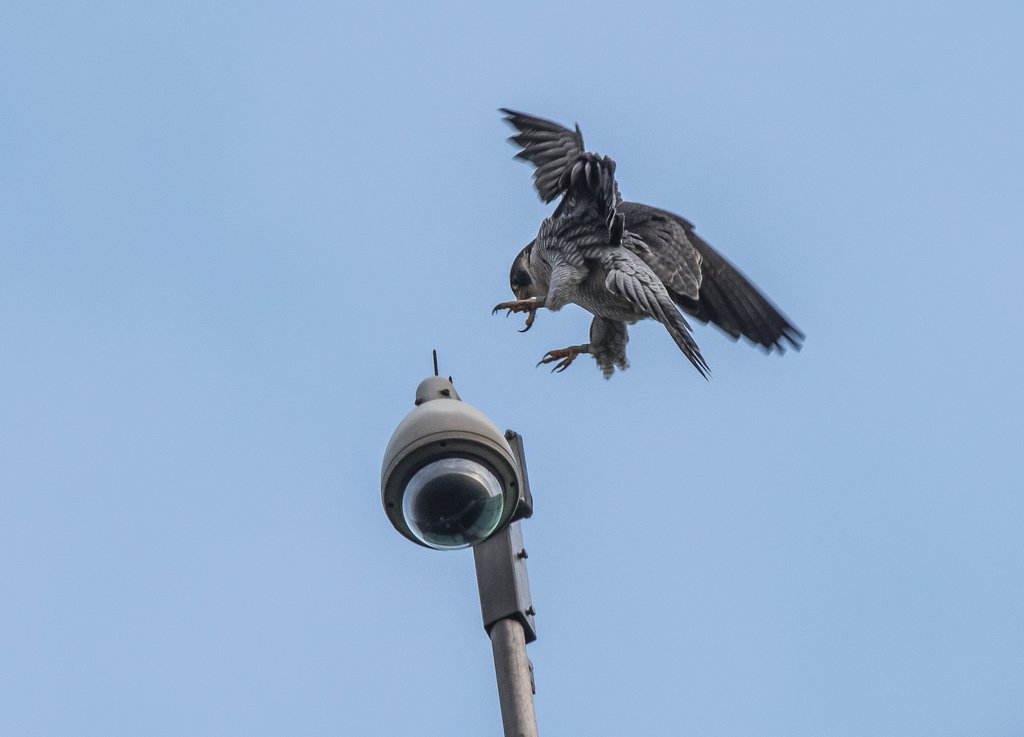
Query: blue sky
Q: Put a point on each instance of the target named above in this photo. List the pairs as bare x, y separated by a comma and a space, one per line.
230, 235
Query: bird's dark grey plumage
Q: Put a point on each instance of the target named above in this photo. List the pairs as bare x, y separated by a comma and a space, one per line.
624, 261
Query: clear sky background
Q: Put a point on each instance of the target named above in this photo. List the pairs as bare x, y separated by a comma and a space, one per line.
231, 233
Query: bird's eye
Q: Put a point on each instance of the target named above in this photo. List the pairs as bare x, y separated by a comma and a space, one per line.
520, 278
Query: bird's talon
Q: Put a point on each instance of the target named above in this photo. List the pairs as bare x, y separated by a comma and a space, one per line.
564, 356
520, 305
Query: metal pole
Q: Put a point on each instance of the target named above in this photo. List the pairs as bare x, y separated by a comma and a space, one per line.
515, 679
508, 614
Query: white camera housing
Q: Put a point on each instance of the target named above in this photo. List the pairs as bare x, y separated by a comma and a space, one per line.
449, 477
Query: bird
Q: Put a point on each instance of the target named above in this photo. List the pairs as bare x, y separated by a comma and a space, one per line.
624, 261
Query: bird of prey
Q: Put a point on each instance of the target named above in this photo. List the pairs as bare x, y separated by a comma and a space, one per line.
623, 261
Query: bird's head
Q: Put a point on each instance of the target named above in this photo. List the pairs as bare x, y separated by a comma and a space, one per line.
520, 277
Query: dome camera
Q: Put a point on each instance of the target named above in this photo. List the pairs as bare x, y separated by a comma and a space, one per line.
450, 478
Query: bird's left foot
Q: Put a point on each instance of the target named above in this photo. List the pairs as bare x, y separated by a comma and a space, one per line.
564, 356
520, 305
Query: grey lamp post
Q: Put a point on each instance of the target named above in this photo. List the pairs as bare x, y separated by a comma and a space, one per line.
451, 480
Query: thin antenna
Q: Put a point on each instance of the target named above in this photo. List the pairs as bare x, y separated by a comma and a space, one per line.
435, 361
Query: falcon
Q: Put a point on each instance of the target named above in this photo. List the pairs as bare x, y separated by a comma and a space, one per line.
624, 261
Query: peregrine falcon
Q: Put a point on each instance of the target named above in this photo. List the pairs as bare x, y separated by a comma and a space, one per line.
623, 261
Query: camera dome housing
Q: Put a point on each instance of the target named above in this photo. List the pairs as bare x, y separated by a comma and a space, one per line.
449, 477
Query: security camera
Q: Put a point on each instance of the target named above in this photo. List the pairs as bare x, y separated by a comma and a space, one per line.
450, 478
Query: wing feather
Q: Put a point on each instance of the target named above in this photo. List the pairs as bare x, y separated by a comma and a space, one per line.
550, 147
725, 296
630, 278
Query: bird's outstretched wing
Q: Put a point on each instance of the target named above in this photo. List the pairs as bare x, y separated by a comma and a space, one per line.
724, 296
550, 147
